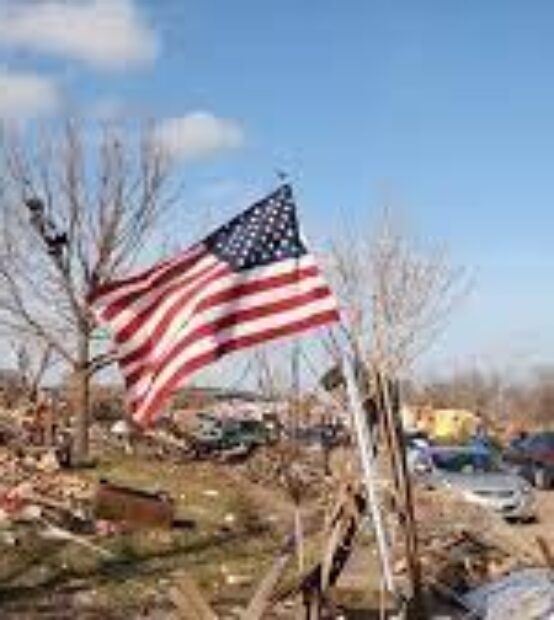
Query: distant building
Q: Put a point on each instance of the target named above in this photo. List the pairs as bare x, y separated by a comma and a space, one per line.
441, 424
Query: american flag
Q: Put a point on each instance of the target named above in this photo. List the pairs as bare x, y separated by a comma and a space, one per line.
250, 281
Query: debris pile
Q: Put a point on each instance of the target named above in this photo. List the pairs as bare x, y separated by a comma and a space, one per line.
464, 547
441, 514
36, 483
526, 594
116, 503
274, 467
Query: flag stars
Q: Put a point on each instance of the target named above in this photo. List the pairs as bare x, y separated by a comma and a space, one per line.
265, 233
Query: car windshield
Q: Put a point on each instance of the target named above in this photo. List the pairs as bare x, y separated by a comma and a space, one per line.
464, 461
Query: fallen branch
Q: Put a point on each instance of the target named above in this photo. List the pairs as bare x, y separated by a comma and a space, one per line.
262, 597
58, 533
188, 599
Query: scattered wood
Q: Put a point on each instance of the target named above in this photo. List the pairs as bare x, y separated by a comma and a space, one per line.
546, 551
261, 600
58, 533
314, 586
133, 506
188, 599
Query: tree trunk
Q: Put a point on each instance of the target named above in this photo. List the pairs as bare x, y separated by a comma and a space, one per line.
81, 403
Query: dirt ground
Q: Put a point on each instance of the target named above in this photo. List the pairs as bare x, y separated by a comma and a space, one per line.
545, 523
238, 529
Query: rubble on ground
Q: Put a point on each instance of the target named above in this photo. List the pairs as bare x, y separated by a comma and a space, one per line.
526, 595
466, 548
273, 466
28, 480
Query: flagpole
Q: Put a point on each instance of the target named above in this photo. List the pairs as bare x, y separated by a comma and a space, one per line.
366, 445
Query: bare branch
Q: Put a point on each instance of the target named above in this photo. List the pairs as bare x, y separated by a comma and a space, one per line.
399, 296
74, 213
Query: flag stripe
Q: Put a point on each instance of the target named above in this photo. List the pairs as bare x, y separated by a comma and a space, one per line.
212, 285
145, 413
212, 338
209, 335
132, 330
250, 281
143, 280
222, 319
275, 269
211, 295
203, 313
117, 309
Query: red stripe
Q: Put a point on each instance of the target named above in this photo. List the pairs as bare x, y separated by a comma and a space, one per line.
143, 350
153, 287
109, 287
190, 287
227, 295
240, 317
243, 289
230, 346
224, 322
258, 285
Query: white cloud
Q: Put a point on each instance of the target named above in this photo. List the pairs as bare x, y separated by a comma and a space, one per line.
198, 134
108, 34
25, 95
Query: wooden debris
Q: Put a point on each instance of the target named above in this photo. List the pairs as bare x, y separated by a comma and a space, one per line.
26, 479
463, 546
135, 507
188, 599
314, 586
54, 532
546, 552
262, 597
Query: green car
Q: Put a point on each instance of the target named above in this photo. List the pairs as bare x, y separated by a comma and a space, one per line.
233, 435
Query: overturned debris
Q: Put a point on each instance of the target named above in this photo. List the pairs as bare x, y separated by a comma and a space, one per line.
469, 554
34, 480
132, 506
526, 595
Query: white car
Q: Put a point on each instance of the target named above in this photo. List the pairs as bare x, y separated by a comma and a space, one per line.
478, 477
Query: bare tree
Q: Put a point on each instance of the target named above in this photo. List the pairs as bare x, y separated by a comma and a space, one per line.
475, 389
76, 210
506, 401
397, 295
396, 298
33, 359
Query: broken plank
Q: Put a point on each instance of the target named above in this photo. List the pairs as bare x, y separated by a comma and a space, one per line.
188, 599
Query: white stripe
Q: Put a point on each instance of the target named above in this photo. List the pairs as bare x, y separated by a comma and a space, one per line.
189, 318
130, 310
220, 286
260, 323
279, 319
142, 285
160, 307
140, 336
208, 343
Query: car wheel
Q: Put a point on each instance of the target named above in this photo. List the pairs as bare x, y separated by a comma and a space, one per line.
530, 520
540, 478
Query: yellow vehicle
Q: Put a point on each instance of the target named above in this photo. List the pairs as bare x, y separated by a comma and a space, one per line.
453, 425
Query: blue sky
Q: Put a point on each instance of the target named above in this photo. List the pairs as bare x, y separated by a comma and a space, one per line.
446, 106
